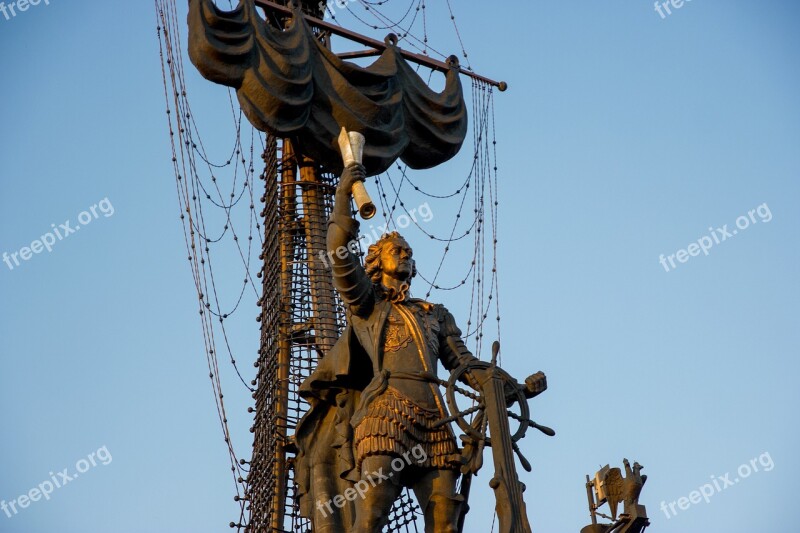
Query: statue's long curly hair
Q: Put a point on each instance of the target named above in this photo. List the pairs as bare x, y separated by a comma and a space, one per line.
372, 262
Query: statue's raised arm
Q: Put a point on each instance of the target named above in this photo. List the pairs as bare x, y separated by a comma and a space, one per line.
349, 277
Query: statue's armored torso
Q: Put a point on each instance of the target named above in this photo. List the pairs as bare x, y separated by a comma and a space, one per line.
404, 415
403, 355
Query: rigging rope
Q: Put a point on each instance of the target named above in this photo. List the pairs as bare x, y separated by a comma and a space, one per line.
193, 195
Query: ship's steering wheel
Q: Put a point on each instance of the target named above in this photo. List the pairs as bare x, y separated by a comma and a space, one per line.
472, 420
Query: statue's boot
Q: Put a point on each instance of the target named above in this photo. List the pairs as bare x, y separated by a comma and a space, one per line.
442, 513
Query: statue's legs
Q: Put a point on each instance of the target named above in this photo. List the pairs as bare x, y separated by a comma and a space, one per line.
436, 493
372, 511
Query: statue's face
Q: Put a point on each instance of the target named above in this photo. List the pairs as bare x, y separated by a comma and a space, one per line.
396, 259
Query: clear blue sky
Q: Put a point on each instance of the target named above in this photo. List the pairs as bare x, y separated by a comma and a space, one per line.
623, 136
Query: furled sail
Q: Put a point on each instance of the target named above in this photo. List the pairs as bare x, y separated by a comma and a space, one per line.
290, 85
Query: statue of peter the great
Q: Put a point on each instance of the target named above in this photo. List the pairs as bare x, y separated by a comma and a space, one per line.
373, 399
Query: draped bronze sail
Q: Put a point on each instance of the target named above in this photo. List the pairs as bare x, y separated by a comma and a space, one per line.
290, 85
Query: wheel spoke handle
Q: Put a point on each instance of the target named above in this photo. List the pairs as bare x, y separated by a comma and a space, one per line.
456, 416
523, 461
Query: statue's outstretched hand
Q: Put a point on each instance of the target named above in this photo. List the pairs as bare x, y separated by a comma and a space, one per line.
535, 384
351, 175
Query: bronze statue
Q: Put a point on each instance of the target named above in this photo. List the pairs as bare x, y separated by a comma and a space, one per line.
610, 487
378, 421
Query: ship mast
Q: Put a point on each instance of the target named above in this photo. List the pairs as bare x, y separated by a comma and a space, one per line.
301, 316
